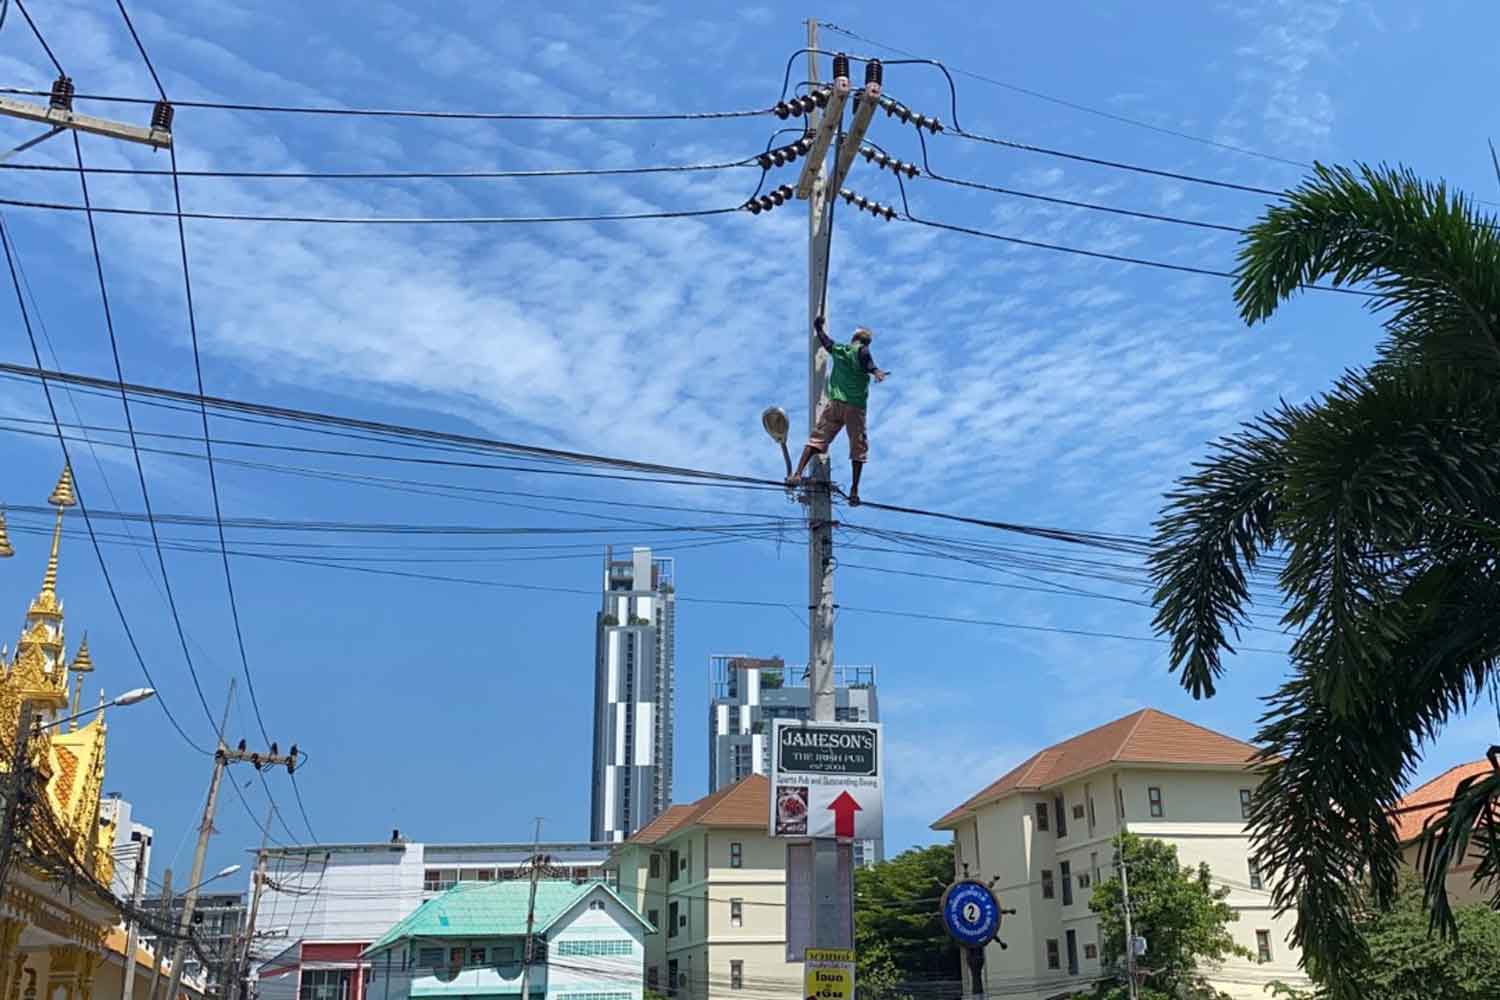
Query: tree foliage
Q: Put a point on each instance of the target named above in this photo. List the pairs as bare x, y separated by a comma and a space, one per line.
898, 928
1405, 961
1179, 911
1377, 505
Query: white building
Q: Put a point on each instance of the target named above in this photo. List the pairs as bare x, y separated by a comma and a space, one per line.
469, 942
1043, 831
132, 844
712, 879
324, 904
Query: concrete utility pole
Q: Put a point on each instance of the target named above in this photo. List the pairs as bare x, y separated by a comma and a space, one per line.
138, 885
242, 959
1129, 930
528, 952
826, 929
161, 942
223, 757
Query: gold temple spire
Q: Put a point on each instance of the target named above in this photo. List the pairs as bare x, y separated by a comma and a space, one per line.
6, 551
82, 664
62, 498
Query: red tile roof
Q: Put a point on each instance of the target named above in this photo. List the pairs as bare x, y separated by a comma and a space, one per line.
1144, 737
661, 826
1425, 800
746, 803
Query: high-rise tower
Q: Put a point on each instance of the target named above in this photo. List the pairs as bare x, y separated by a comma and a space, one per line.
635, 666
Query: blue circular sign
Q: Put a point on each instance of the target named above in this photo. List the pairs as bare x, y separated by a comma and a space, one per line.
970, 913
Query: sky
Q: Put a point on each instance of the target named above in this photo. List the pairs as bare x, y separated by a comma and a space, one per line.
1027, 385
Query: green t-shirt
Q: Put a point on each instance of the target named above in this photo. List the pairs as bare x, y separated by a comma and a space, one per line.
849, 383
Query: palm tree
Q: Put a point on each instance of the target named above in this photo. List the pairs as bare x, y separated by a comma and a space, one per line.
1377, 505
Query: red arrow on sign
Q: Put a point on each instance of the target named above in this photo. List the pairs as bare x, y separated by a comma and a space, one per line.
844, 807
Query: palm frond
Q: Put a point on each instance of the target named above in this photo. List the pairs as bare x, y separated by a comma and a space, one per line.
1472, 814
1208, 539
1432, 260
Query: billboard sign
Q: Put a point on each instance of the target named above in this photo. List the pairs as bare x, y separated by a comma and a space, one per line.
827, 779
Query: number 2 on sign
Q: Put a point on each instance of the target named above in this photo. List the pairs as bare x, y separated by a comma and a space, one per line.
971, 913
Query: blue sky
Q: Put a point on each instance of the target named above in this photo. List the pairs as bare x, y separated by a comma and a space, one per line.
1029, 385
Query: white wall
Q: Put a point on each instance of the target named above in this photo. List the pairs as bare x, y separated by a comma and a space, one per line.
571, 975
1202, 819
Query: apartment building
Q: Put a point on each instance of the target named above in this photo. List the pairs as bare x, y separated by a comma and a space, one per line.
710, 878
747, 694
635, 667
1043, 830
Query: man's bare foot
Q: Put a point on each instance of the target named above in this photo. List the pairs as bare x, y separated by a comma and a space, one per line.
792, 481
854, 500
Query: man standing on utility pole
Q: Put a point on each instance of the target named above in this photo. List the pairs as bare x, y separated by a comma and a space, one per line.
848, 396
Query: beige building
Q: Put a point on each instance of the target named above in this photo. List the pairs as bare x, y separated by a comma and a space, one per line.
1043, 832
712, 882
1421, 803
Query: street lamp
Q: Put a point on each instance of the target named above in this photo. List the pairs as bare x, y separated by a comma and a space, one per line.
774, 420
223, 873
130, 697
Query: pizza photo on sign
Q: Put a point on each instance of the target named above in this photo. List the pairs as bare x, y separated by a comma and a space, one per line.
791, 811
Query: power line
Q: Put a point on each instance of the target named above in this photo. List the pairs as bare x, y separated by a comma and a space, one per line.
42, 41
397, 430
140, 470
494, 116
1075, 106
376, 220
391, 175
114, 596
213, 479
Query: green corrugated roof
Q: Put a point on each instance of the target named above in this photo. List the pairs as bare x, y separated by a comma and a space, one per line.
492, 909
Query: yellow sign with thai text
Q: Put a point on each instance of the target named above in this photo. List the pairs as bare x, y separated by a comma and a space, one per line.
828, 974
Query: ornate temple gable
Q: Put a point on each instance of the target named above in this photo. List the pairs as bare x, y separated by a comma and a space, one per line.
70, 764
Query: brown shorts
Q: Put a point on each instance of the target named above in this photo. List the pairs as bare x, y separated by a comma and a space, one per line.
836, 416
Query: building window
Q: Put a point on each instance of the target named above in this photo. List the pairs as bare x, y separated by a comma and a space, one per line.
1094, 867
672, 976
1255, 880
505, 954
1047, 891
1153, 795
1083, 880
1053, 960
1244, 803
673, 864
594, 948
655, 866
736, 854
1091, 812
1091, 951
1061, 816
1041, 816
1263, 945
652, 978
736, 913
1119, 803
671, 920
1064, 872
1072, 939
653, 917
1078, 811
477, 956
430, 958
736, 974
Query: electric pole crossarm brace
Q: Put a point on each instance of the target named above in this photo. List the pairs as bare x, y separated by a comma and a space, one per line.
62, 118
